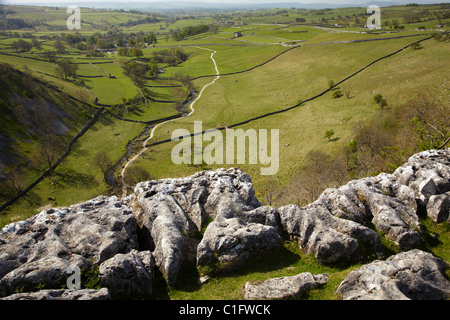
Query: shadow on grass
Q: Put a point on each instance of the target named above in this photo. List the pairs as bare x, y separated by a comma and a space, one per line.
188, 279
74, 178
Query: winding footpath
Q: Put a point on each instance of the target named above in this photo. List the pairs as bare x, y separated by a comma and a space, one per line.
150, 136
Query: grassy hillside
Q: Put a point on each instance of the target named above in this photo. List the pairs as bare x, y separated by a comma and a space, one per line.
303, 73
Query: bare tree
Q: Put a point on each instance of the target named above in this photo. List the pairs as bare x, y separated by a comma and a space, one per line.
66, 69
102, 160
136, 174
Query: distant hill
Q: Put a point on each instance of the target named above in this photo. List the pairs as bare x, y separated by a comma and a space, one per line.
187, 5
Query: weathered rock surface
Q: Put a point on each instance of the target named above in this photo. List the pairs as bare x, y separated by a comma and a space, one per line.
427, 173
329, 238
380, 200
438, 207
229, 243
170, 209
128, 274
408, 275
61, 294
40, 249
284, 287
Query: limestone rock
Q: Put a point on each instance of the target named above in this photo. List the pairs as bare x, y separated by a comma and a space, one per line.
229, 243
171, 209
170, 247
128, 274
61, 294
380, 200
414, 274
329, 238
438, 207
40, 249
284, 287
427, 173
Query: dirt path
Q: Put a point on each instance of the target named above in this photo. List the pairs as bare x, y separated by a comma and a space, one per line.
152, 132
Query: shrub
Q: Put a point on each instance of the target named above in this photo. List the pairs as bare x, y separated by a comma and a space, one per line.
329, 134
337, 94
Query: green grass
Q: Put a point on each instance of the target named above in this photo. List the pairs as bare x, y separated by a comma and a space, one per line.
287, 260
300, 74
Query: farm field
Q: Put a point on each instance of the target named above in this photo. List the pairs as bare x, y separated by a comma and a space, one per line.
319, 77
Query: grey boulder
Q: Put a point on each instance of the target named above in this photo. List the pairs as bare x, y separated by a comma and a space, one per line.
427, 173
380, 200
329, 238
284, 287
62, 294
41, 249
438, 207
170, 210
128, 274
415, 275
229, 242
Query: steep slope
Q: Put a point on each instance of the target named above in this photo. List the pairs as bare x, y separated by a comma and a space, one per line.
36, 122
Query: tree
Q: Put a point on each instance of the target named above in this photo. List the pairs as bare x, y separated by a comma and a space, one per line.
36, 43
153, 69
21, 46
136, 174
378, 99
330, 84
66, 68
50, 147
347, 94
136, 52
416, 46
50, 144
102, 161
429, 119
150, 38
59, 46
123, 51
329, 134
337, 94
136, 72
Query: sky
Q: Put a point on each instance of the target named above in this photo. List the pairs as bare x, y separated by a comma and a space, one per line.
235, 1
105, 2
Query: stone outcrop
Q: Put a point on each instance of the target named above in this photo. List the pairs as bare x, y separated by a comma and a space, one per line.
408, 275
62, 294
329, 238
229, 242
284, 287
172, 209
214, 220
438, 207
40, 249
128, 274
380, 200
427, 173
